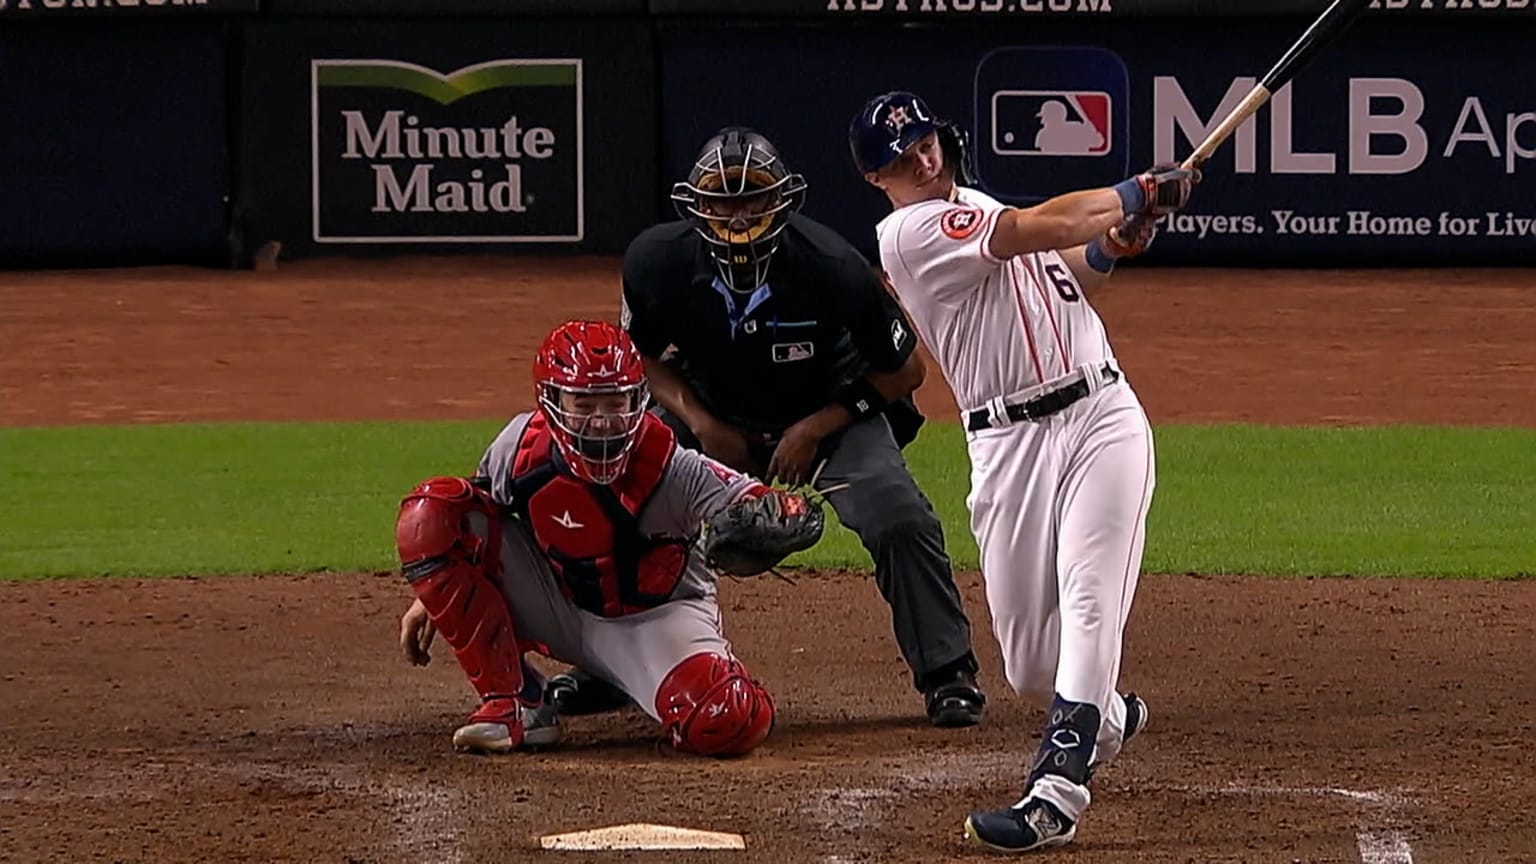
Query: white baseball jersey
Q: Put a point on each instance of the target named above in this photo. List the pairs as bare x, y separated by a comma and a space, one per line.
997, 328
1058, 507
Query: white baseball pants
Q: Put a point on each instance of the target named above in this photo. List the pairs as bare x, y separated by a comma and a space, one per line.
1058, 508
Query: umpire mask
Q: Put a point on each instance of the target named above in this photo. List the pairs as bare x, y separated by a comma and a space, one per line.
739, 197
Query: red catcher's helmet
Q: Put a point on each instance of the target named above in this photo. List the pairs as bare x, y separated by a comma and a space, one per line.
590, 383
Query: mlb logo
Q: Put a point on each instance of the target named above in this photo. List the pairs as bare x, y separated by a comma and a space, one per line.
792, 352
1052, 123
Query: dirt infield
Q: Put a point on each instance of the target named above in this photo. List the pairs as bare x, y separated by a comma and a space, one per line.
271, 719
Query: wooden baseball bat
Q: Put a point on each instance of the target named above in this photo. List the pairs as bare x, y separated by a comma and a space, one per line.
1328, 26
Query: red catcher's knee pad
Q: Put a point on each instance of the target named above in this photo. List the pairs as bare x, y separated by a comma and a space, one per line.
433, 527
709, 705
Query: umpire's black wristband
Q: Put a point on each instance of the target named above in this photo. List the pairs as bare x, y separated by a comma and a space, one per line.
861, 398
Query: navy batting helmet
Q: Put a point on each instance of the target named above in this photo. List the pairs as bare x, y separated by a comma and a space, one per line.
892, 122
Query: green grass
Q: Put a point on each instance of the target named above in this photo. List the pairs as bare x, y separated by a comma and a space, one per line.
1399, 500
258, 498
240, 498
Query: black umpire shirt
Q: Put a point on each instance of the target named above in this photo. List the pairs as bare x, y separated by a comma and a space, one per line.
766, 360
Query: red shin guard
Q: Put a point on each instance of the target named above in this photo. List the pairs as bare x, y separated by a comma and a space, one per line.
449, 566
472, 616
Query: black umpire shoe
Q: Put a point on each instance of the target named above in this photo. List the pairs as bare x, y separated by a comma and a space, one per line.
576, 693
954, 700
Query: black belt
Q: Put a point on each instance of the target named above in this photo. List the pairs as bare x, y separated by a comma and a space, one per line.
1041, 406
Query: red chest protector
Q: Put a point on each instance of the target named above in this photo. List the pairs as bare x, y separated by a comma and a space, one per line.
591, 533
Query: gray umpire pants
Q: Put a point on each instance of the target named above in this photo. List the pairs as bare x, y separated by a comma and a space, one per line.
897, 525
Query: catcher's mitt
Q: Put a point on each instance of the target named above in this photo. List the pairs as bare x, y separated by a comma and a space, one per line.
754, 534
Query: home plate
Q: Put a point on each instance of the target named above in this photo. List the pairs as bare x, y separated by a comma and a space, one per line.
639, 835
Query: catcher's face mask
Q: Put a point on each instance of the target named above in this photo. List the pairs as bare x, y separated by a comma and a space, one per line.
591, 387
739, 197
599, 427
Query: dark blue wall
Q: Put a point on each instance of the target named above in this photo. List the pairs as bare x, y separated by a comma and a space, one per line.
138, 136
115, 142
711, 77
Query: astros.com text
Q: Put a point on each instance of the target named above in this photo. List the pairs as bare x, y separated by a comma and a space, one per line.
1073, 6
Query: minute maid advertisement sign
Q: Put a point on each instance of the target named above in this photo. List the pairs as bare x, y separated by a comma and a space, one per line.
490, 153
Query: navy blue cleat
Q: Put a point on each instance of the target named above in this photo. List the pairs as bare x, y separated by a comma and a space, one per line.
1136, 714
576, 693
1027, 826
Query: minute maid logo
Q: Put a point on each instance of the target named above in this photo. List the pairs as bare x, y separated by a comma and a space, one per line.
490, 153
1050, 120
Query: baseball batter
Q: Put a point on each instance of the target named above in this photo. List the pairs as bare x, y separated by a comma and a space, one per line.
575, 538
1061, 452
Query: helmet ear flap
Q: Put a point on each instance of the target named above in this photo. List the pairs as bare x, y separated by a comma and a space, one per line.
956, 146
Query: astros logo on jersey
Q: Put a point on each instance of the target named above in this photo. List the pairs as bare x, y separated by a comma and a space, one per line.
960, 222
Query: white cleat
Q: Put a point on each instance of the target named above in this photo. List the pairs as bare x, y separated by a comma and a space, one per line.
539, 727
484, 738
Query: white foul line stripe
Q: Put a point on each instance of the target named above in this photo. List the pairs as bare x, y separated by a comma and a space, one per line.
1384, 846
1381, 799
1387, 848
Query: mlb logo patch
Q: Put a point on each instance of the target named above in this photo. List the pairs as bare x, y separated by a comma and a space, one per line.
791, 352
1050, 121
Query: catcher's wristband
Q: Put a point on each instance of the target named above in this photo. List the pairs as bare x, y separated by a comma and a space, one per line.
861, 398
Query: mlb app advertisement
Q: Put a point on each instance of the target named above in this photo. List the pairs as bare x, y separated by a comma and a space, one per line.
490, 153
1049, 120
1367, 156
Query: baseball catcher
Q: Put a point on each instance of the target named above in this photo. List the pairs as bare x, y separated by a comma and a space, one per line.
587, 535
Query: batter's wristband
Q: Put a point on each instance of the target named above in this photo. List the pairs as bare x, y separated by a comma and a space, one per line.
1098, 257
861, 398
1133, 196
